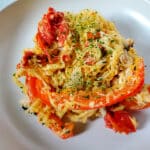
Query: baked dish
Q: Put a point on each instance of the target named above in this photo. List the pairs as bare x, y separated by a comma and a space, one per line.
79, 69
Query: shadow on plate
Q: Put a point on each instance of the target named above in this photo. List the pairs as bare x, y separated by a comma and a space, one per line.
142, 118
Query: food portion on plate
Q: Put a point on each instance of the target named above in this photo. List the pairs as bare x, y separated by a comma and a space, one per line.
79, 69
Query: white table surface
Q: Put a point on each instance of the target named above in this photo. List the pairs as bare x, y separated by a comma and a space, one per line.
4, 3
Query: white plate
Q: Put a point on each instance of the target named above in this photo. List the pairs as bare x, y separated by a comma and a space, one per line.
18, 24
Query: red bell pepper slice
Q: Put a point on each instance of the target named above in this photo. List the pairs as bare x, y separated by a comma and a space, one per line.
34, 87
139, 101
62, 129
98, 99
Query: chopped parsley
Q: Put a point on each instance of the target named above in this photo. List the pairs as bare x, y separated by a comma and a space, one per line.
14, 74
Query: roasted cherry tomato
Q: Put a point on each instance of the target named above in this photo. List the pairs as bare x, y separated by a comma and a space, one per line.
51, 29
120, 121
29, 58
